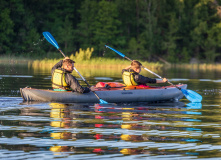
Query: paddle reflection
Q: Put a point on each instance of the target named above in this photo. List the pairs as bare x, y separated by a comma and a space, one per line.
194, 106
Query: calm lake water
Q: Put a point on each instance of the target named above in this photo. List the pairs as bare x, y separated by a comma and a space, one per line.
179, 130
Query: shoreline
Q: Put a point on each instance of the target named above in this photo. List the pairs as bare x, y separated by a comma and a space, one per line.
107, 63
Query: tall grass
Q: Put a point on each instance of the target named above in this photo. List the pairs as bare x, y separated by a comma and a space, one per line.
118, 64
83, 54
83, 59
94, 63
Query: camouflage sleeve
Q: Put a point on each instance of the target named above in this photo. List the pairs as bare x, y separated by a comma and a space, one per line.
74, 84
143, 80
56, 66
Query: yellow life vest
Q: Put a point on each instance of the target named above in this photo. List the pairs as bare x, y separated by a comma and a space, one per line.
58, 80
128, 78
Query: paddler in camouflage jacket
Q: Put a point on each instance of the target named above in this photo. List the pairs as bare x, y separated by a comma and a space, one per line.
63, 80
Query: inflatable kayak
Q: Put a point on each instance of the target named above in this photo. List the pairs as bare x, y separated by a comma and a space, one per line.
114, 93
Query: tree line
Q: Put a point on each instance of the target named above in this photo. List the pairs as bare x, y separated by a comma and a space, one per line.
173, 30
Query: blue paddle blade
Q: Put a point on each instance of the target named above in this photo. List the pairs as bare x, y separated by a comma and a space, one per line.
191, 95
121, 54
50, 39
103, 101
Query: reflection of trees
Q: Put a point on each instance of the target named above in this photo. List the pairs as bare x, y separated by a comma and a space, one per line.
31, 111
23, 147
64, 117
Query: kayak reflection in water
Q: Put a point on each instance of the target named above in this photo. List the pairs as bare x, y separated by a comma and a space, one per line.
63, 80
79, 117
116, 150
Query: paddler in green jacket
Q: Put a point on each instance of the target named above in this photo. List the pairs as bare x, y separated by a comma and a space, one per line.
131, 76
63, 80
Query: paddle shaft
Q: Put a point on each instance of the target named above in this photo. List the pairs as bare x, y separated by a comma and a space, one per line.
61, 52
80, 75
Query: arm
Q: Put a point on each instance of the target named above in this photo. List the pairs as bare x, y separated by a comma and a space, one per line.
143, 80
56, 66
164, 80
125, 69
74, 84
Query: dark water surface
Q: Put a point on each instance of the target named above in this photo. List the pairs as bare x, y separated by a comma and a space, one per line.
179, 130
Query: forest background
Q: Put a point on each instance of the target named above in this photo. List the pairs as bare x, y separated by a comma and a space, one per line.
172, 30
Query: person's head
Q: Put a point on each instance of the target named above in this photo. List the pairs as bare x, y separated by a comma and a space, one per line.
136, 66
68, 65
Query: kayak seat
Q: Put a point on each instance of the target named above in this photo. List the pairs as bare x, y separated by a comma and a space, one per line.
109, 85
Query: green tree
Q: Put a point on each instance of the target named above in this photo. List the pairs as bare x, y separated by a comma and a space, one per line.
206, 32
149, 32
85, 26
186, 23
128, 27
175, 30
6, 31
60, 19
106, 26
66, 34
171, 35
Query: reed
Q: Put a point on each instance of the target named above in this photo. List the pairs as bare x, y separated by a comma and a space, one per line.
83, 60
94, 63
88, 70
202, 67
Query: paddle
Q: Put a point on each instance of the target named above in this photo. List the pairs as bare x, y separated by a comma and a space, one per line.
189, 94
51, 40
